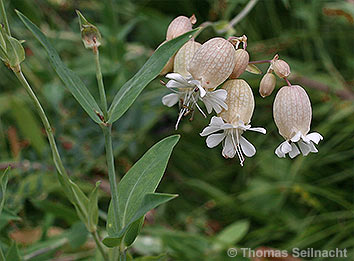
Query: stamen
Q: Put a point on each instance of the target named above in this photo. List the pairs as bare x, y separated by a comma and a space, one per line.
238, 148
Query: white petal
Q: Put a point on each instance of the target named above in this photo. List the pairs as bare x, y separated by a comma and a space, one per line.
216, 121
247, 148
315, 137
177, 77
294, 151
258, 129
313, 148
208, 106
229, 150
220, 94
285, 147
226, 126
214, 139
170, 99
173, 84
304, 147
278, 151
202, 91
297, 137
209, 130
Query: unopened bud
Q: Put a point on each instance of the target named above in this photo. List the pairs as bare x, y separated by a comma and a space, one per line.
292, 111
213, 62
90, 34
240, 102
184, 56
241, 61
179, 26
267, 84
281, 68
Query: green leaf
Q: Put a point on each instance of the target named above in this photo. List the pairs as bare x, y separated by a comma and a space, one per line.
69, 78
80, 202
131, 89
93, 208
251, 68
3, 183
231, 234
150, 201
13, 253
141, 179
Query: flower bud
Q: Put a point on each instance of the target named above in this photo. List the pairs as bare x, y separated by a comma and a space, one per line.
281, 68
184, 56
241, 61
240, 102
292, 111
169, 65
90, 34
179, 26
267, 85
213, 62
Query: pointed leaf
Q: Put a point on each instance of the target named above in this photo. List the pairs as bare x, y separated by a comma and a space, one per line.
150, 201
93, 208
131, 89
141, 179
251, 68
69, 78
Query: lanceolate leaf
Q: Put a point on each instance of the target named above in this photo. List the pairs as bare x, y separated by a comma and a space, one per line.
131, 89
141, 179
150, 201
69, 78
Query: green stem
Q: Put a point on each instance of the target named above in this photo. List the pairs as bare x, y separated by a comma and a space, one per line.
100, 83
107, 132
56, 157
99, 244
4, 16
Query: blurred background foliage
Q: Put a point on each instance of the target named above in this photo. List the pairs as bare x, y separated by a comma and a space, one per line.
279, 203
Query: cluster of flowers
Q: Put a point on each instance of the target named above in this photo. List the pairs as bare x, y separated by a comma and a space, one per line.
195, 72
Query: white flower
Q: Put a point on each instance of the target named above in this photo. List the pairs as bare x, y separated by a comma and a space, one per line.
305, 143
292, 115
231, 135
189, 91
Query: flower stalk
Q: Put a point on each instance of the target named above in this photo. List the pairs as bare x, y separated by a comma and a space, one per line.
99, 77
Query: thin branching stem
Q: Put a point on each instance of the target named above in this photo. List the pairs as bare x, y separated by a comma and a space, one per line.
240, 15
99, 77
99, 244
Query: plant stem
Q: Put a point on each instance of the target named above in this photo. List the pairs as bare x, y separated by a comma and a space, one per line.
240, 15
99, 77
107, 132
4, 16
99, 244
56, 157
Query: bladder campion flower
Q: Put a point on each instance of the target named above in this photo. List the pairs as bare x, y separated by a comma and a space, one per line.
292, 114
211, 64
234, 122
